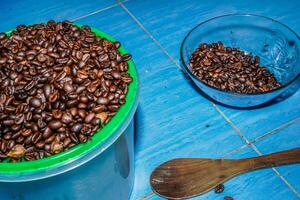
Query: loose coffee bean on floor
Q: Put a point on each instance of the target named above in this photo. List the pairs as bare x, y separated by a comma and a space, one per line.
231, 69
228, 198
59, 84
219, 189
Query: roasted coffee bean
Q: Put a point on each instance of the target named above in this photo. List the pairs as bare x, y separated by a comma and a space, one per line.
17, 151
56, 147
36, 137
228, 198
57, 114
67, 118
47, 133
219, 188
19, 118
102, 100
99, 108
8, 122
50, 139
82, 113
74, 111
103, 117
76, 127
41, 124
7, 136
26, 132
35, 102
89, 117
231, 69
55, 124
58, 84
16, 127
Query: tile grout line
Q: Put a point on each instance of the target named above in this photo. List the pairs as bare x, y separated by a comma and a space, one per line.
278, 174
276, 129
94, 13
257, 139
97, 11
231, 124
216, 107
259, 153
150, 35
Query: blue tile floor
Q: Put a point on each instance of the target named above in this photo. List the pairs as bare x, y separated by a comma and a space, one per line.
173, 119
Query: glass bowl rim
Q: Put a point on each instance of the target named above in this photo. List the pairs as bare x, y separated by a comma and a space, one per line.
186, 68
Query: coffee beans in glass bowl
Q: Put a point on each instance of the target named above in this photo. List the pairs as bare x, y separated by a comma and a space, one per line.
231, 69
59, 84
242, 60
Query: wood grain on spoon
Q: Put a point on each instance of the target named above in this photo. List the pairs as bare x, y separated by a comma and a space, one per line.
188, 177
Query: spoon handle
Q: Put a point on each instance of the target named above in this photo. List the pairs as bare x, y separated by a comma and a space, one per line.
272, 160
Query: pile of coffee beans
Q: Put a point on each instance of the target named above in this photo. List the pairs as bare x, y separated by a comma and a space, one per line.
231, 69
58, 85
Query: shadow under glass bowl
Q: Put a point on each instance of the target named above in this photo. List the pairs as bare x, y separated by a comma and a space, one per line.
275, 43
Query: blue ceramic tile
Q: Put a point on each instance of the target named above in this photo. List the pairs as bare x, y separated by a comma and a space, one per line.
17, 12
169, 22
172, 120
284, 139
254, 123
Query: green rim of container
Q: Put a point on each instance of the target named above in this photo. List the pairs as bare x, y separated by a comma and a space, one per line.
99, 138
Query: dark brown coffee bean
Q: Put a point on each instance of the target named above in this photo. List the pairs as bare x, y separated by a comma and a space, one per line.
67, 118
35, 102
82, 106
76, 127
3, 60
61, 76
72, 103
26, 132
57, 114
74, 111
41, 124
47, 133
53, 97
99, 108
89, 117
74, 138
113, 108
102, 100
36, 137
219, 188
16, 127
19, 118
68, 87
82, 113
66, 142
228, 198
7, 136
8, 122
55, 124
50, 139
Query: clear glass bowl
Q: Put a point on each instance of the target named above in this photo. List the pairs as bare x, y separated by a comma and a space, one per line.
275, 43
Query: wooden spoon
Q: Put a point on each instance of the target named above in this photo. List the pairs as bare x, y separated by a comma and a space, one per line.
188, 177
